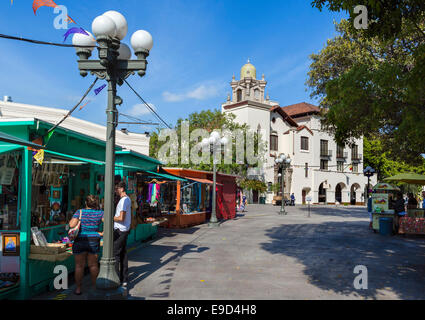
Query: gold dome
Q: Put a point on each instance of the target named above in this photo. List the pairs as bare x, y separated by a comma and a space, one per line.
248, 71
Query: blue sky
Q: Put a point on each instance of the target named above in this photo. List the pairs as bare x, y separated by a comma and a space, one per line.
198, 46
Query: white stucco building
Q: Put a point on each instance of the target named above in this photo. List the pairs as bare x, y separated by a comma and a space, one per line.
128, 140
320, 169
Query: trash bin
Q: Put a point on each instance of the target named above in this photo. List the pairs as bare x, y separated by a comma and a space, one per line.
386, 226
262, 200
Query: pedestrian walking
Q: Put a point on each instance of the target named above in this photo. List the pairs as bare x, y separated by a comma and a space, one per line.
292, 199
87, 244
122, 223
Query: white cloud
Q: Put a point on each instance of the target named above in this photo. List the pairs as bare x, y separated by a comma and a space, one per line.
140, 110
202, 92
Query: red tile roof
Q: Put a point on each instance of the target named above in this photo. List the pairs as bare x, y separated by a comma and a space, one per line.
284, 115
302, 108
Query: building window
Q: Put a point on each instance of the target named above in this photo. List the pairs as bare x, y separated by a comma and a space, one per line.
340, 166
274, 142
306, 170
355, 167
257, 94
239, 95
324, 148
340, 152
324, 165
355, 152
304, 143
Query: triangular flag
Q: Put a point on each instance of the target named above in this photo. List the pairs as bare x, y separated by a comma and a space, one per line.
49, 135
74, 30
39, 156
97, 91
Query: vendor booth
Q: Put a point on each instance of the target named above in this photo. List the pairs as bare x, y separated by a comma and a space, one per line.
197, 196
414, 221
382, 196
40, 191
193, 198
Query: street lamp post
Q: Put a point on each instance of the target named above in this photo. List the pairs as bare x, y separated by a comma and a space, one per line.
368, 172
114, 66
283, 162
215, 143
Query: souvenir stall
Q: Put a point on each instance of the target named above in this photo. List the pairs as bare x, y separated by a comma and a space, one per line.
39, 191
226, 196
414, 221
10, 202
382, 196
134, 168
194, 198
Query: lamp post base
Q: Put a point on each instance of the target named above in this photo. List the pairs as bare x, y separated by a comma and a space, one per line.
107, 278
119, 293
213, 224
283, 212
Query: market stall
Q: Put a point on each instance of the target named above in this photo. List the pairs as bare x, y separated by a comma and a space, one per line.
382, 197
39, 191
414, 221
193, 198
139, 173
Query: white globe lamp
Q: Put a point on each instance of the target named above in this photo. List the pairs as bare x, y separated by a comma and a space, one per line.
120, 23
124, 52
141, 40
104, 26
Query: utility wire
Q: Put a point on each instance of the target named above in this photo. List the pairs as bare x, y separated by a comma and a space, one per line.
44, 42
147, 105
75, 107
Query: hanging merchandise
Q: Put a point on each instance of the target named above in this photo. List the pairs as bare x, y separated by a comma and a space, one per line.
6, 172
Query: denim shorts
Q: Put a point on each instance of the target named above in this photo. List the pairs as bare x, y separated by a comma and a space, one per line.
89, 245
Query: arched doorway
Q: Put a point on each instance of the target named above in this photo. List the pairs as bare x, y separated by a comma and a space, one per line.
322, 194
304, 194
338, 193
355, 188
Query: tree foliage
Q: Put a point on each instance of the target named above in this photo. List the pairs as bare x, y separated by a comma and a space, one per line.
255, 185
210, 121
372, 82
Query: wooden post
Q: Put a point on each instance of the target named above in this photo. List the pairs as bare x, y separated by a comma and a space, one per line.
178, 197
178, 209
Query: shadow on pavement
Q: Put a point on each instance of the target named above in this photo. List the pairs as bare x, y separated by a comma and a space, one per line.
340, 211
152, 258
329, 252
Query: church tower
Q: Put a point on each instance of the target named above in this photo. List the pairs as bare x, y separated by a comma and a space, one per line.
248, 88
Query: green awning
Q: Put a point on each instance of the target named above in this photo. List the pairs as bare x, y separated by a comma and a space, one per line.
15, 140
410, 178
10, 148
67, 156
166, 176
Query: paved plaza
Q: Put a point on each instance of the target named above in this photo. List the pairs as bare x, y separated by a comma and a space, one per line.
262, 255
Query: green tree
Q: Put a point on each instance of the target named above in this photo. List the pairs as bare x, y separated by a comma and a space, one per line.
213, 120
379, 158
372, 82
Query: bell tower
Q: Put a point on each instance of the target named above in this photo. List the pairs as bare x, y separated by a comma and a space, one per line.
248, 87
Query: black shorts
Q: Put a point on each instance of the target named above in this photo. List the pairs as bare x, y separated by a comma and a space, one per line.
89, 245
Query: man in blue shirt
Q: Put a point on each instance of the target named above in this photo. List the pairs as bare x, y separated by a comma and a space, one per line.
292, 200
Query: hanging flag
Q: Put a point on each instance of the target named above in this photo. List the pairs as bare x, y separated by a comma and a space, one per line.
81, 108
70, 20
43, 3
49, 135
74, 30
97, 91
39, 156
